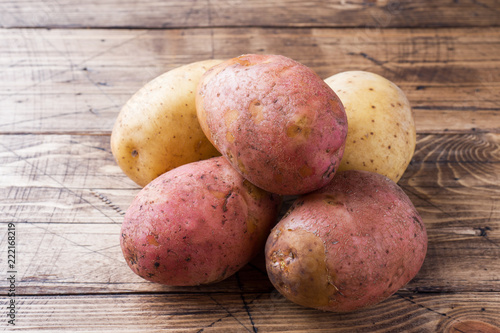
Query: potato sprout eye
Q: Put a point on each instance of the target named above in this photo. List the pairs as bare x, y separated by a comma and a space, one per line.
134, 153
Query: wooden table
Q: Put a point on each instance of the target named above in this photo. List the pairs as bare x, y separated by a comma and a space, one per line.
67, 67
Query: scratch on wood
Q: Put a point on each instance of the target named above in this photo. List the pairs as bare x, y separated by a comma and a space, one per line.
31, 120
480, 4
213, 323
72, 65
35, 167
245, 304
410, 299
47, 231
426, 200
264, 273
377, 62
229, 314
108, 202
73, 242
98, 85
483, 232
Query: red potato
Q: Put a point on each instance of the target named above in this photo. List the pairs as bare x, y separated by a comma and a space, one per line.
196, 224
278, 123
348, 245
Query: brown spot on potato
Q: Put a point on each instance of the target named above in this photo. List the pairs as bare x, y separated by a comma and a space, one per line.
229, 137
332, 200
301, 127
243, 61
252, 223
152, 240
255, 192
230, 116
298, 269
305, 171
218, 194
255, 110
334, 104
134, 153
278, 176
241, 166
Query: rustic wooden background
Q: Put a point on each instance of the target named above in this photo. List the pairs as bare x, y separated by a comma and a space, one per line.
67, 67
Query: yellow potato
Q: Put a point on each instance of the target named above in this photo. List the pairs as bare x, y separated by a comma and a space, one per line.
381, 134
158, 130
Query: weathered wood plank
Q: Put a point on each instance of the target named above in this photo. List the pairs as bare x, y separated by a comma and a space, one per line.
280, 13
83, 258
67, 197
254, 312
80, 161
63, 258
74, 179
455, 162
75, 81
80, 169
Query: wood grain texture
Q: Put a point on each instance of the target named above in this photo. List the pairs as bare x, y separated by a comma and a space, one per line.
75, 81
275, 13
68, 198
254, 312
86, 258
66, 69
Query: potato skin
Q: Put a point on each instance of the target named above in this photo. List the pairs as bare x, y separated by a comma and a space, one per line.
348, 245
157, 129
277, 122
196, 224
381, 136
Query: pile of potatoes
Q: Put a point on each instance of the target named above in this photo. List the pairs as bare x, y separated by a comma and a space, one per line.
217, 145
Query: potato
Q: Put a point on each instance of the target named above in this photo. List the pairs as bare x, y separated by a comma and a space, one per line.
348, 245
277, 122
196, 224
157, 129
381, 136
